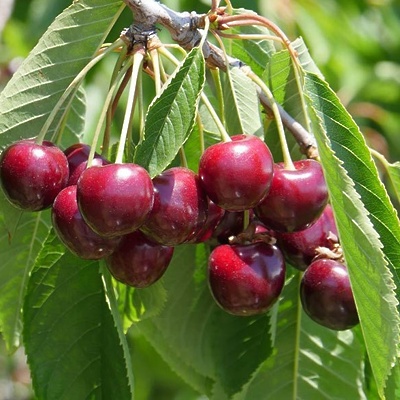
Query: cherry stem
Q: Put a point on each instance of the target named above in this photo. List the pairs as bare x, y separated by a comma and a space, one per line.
73, 86
110, 95
111, 109
201, 133
220, 96
287, 159
251, 19
156, 69
224, 134
138, 57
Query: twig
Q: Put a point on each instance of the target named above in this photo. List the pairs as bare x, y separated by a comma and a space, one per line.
185, 29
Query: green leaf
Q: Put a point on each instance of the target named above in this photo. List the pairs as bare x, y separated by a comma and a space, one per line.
138, 304
67, 46
242, 108
254, 53
309, 361
202, 343
21, 239
368, 226
72, 345
171, 116
393, 171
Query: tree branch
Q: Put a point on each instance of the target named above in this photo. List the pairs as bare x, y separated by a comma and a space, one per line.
185, 29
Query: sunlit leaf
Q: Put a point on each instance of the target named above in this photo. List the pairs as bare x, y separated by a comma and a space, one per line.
368, 226
171, 116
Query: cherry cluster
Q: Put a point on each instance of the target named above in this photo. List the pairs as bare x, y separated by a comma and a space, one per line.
116, 212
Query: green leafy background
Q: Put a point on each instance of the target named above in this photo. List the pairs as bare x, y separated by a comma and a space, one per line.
71, 317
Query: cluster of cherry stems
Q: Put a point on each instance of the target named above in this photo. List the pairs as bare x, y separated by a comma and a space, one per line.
256, 215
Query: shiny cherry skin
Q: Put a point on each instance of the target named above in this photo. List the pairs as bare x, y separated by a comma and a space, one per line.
299, 247
77, 156
33, 174
326, 295
214, 216
246, 279
231, 224
74, 232
237, 175
115, 199
138, 261
296, 198
180, 207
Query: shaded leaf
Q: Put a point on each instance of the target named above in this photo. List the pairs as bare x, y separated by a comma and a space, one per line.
242, 108
138, 304
171, 116
21, 239
203, 344
72, 346
309, 361
393, 170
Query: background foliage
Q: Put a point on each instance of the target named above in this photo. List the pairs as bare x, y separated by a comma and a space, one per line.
359, 57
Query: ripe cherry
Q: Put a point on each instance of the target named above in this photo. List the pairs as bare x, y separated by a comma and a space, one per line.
296, 198
138, 261
77, 156
214, 216
231, 224
33, 174
299, 247
180, 207
115, 199
237, 175
246, 279
326, 295
74, 232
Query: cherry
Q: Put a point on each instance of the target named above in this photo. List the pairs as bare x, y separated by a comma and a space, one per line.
138, 261
77, 156
237, 175
326, 295
33, 174
231, 224
180, 207
214, 216
115, 199
299, 247
74, 232
246, 279
296, 198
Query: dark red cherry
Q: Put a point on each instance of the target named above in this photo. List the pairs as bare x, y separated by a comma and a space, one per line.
299, 247
246, 279
74, 232
180, 207
33, 174
77, 156
296, 198
138, 261
326, 295
237, 175
115, 199
231, 224
214, 216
